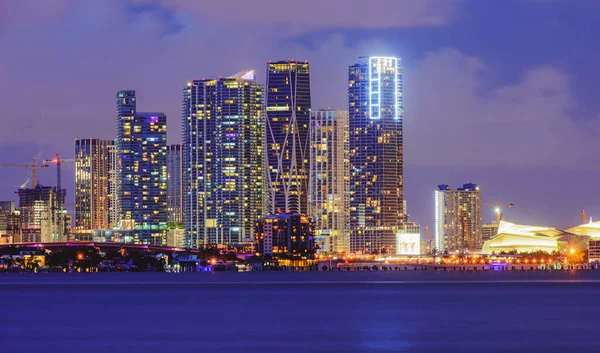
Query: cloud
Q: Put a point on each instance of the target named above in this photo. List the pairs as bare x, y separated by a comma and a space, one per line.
315, 14
450, 121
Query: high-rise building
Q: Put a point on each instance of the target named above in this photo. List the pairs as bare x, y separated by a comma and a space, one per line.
174, 183
142, 149
114, 186
488, 231
376, 111
223, 159
7, 208
288, 106
329, 203
40, 218
92, 178
458, 219
285, 235
13, 227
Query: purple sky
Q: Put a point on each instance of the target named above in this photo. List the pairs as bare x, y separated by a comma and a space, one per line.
500, 92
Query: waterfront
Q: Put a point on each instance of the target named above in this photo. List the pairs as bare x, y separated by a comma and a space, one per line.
282, 312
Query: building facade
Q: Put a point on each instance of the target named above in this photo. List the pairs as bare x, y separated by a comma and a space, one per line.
376, 111
285, 235
114, 186
458, 219
7, 209
92, 178
408, 239
39, 211
329, 180
174, 183
488, 231
142, 151
287, 109
223, 159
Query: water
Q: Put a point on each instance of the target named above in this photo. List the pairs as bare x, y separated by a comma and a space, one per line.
301, 312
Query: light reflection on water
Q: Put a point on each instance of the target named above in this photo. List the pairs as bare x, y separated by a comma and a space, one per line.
288, 312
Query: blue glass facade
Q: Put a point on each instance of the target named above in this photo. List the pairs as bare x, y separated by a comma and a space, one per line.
223, 155
142, 151
288, 108
376, 154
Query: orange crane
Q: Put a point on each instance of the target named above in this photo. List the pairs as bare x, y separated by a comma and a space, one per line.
430, 241
583, 217
498, 208
33, 167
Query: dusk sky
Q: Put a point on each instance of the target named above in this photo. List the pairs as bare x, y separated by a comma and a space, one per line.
502, 93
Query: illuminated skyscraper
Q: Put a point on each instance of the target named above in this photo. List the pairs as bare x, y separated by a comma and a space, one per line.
376, 111
40, 219
142, 149
329, 180
287, 138
458, 219
7, 210
92, 178
114, 186
223, 159
174, 182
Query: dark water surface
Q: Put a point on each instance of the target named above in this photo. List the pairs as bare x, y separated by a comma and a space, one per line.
301, 312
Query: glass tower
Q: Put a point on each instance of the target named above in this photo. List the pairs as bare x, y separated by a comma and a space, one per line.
287, 137
458, 219
114, 186
329, 180
174, 181
142, 150
92, 180
376, 154
223, 159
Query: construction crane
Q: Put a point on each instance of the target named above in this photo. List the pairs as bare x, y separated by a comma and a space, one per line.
33, 167
58, 161
498, 208
584, 218
429, 240
59, 192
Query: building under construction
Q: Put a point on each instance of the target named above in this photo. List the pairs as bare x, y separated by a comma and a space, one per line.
42, 216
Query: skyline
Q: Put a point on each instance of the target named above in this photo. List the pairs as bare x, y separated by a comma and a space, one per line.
463, 77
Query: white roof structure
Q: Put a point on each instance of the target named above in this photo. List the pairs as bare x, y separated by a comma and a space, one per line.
591, 229
522, 238
244, 75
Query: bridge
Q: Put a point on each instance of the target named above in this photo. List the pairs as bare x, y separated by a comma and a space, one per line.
100, 245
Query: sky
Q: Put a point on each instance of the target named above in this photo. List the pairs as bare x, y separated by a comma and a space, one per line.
501, 93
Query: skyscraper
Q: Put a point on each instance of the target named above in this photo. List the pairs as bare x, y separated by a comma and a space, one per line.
7, 209
458, 219
174, 182
329, 205
223, 159
376, 111
142, 150
39, 209
288, 107
114, 186
92, 178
